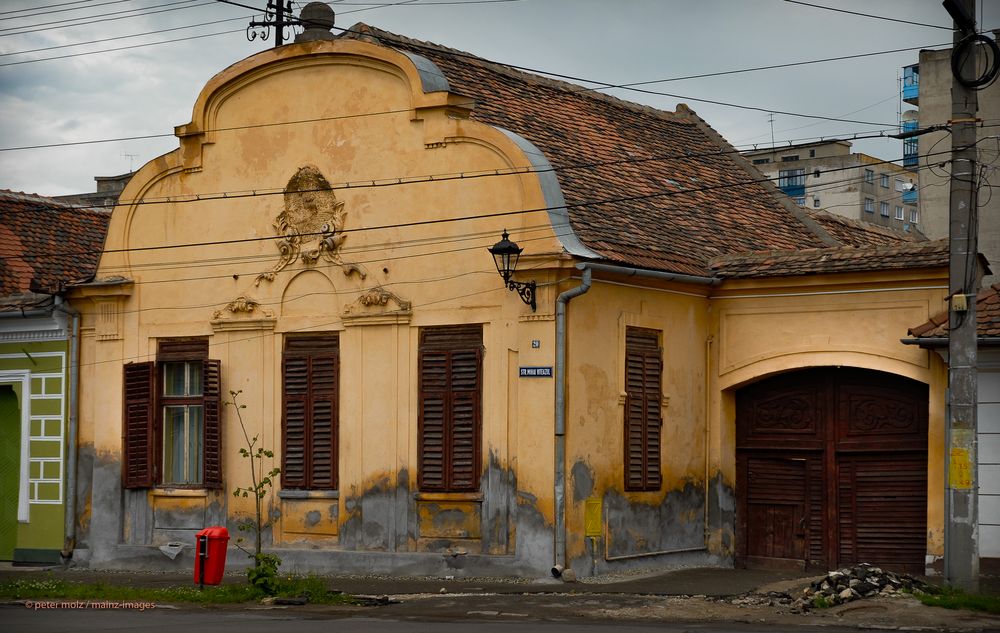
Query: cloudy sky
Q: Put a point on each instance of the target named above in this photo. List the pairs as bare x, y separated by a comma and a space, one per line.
79, 90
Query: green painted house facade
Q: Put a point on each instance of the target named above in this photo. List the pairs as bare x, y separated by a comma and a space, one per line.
33, 398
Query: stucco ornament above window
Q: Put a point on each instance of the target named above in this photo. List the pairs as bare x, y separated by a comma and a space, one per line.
311, 225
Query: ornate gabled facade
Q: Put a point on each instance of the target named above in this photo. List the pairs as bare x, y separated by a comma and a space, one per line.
318, 242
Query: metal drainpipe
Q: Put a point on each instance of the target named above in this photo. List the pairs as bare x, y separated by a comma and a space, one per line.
74, 403
559, 563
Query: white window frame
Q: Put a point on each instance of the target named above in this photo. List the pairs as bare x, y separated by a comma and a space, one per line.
900, 214
23, 377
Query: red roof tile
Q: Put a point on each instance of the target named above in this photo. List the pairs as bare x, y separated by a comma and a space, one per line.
45, 245
691, 196
987, 318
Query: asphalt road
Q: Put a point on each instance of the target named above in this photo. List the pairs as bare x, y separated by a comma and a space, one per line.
15, 619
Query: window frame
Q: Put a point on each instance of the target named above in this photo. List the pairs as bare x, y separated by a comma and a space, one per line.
869, 176
143, 416
187, 401
883, 209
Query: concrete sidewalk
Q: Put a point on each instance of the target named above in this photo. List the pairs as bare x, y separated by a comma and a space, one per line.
684, 595
715, 582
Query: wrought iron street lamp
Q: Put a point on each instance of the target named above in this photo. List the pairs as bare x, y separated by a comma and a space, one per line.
505, 255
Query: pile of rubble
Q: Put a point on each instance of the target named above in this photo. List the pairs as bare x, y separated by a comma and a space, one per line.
853, 583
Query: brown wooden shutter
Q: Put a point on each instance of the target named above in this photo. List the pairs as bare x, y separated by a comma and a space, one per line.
310, 413
295, 398
323, 381
212, 403
643, 423
432, 422
463, 471
137, 425
450, 408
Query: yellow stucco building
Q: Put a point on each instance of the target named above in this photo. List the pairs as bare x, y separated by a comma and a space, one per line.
708, 374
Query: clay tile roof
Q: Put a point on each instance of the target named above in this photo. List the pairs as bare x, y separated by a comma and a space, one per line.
45, 245
987, 318
644, 187
832, 260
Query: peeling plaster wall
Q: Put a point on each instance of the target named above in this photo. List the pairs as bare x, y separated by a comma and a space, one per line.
608, 527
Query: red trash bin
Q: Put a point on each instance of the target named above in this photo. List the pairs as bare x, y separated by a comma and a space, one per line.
210, 555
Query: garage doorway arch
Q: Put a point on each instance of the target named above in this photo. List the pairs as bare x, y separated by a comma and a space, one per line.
831, 469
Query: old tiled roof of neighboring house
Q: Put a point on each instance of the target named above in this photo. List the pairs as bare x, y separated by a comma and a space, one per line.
643, 187
832, 260
44, 246
851, 232
987, 318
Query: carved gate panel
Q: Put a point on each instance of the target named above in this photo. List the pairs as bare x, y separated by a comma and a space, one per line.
832, 470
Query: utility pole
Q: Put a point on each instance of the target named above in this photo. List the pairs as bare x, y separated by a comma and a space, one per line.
277, 14
961, 535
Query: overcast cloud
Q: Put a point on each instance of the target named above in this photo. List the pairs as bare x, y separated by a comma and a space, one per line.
151, 89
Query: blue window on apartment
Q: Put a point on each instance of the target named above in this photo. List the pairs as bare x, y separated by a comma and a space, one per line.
792, 182
911, 146
911, 82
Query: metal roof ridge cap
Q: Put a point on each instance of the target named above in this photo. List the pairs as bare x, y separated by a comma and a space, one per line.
555, 202
431, 77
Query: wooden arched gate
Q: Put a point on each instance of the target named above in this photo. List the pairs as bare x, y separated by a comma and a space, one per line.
832, 470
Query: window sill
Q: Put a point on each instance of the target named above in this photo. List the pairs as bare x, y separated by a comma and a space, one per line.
180, 492
308, 494
448, 496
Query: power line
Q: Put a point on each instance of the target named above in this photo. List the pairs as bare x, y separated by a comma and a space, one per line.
868, 15
602, 85
442, 220
440, 177
124, 48
377, 247
112, 39
105, 17
38, 10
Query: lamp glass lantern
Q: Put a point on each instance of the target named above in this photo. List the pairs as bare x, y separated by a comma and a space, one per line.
505, 255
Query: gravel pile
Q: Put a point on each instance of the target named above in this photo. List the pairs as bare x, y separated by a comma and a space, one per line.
854, 583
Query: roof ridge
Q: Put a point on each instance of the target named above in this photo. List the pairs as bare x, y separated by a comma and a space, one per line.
868, 226
927, 245
48, 202
362, 29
